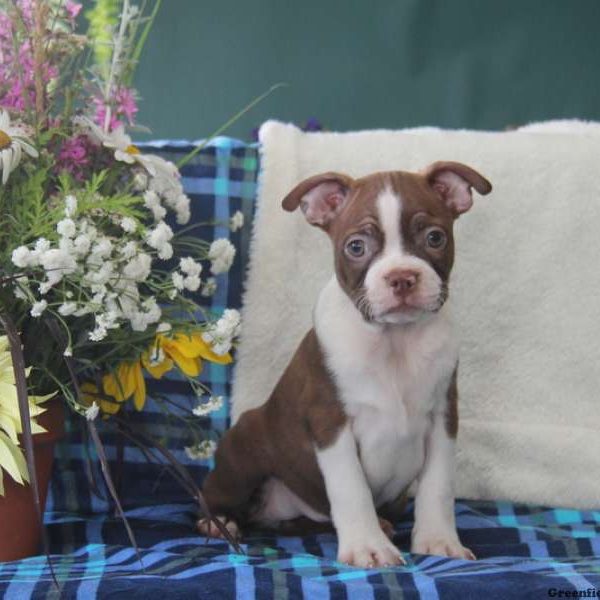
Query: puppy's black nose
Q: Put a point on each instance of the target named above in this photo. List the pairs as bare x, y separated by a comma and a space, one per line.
402, 281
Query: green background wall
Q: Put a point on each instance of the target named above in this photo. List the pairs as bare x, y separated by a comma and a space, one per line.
359, 64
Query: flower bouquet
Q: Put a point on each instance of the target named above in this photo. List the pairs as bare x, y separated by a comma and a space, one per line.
99, 275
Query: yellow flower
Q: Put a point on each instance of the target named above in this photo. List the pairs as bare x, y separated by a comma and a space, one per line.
155, 361
186, 351
207, 352
126, 381
181, 350
90, 394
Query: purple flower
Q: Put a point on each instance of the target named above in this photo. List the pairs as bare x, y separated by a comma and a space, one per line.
74, 156
312, 125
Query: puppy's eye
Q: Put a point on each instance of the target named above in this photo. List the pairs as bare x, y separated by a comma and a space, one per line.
436, 239
356, 248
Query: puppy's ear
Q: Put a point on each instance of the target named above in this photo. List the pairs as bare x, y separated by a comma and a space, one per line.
321, 198
453, 181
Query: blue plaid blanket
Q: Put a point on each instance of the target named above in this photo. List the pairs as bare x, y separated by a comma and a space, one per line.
524, 552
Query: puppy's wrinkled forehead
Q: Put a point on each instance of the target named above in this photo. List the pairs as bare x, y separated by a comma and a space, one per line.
389, 201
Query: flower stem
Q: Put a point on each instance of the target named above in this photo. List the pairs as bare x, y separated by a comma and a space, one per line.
38, 59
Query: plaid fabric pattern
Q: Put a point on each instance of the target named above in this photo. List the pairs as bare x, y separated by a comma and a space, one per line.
523, 552
219, 180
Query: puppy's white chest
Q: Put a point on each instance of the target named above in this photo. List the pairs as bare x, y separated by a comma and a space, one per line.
394, 373
391, 450
390, 402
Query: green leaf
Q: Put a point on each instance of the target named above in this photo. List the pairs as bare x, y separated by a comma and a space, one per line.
186, 159
12, 459
9, 426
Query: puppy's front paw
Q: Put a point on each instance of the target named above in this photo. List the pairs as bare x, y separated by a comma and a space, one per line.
370, 551
449, 546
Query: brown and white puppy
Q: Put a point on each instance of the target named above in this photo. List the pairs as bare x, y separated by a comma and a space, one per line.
368, 404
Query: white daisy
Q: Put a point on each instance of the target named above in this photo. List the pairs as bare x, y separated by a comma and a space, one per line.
13, 141
118, 140
126, 151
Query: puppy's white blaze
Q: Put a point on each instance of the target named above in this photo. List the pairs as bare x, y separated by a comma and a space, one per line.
389, 209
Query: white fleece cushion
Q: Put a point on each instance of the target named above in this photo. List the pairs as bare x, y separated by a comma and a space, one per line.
525, 290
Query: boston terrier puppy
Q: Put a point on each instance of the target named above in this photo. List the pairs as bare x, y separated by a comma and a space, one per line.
368, 404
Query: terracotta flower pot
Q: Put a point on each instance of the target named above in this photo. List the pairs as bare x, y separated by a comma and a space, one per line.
19, 534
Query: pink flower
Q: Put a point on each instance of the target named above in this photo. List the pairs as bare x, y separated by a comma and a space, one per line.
100, 115
17, 78
126, 103
26, 7
73, 9
123, 106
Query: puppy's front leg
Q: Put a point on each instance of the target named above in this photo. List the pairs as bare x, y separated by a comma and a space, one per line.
361, 542
434, 531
